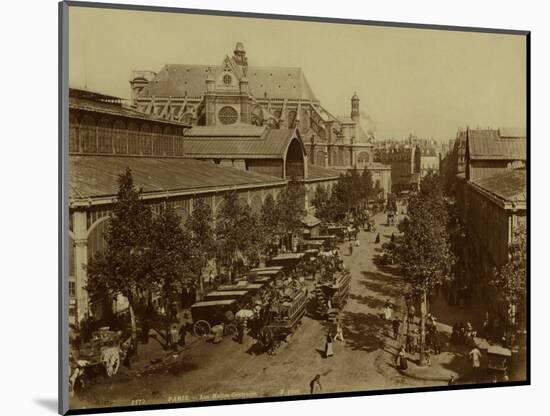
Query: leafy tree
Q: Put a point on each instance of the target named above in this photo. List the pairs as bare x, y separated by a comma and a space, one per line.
424, 251
511, 278
291, 207
321, 201
269, 215
124, 266
367, 184
268, 222
202, 245
236, 232
168, 253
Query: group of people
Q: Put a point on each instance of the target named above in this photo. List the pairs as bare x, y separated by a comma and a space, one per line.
463, 334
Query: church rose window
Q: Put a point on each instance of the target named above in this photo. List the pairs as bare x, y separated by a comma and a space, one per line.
227, 79
228, 115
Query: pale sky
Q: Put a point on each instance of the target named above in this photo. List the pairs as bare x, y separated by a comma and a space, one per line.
427, 82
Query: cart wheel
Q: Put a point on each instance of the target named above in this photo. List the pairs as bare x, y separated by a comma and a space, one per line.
230, 329
111, 361
201, 329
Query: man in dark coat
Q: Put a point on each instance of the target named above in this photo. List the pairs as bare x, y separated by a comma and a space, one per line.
185, 298
396, 324
192, 295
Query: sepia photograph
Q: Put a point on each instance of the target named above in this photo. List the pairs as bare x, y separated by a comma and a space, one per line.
264, 207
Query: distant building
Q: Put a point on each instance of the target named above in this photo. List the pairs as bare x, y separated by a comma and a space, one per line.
429, 160
405, 162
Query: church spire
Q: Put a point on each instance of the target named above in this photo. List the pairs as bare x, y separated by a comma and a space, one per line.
355, 107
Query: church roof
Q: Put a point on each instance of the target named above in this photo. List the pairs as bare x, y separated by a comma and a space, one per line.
96, 176
175, 80
230, 142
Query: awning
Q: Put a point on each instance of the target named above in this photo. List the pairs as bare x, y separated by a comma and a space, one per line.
310, 220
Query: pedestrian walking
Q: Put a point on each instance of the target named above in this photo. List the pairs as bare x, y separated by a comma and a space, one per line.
388, 310
182, 334
315, 385
401, 359
436, 343
411, 311
350, 248
475, 357
377, 239
415, 338
357, 242
396, 323
329, 352
339, 332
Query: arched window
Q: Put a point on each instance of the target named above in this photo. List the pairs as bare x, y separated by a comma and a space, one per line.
256, 204
227, 79
228, 115
96, 237
88, 134
363, 158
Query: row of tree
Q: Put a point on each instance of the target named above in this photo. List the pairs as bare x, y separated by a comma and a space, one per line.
424, 249
146, 253
349, 195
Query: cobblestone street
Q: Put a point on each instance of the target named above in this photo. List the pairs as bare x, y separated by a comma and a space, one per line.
365, 361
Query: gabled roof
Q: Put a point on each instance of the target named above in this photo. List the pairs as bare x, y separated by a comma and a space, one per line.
226, 142
487, 144
175, 80
96, 176
510, 186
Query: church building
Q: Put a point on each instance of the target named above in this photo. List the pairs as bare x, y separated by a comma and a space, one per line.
233, 96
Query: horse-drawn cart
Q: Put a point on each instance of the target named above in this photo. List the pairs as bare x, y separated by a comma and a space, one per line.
332, 294
214, 319
104, 351
282, 315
